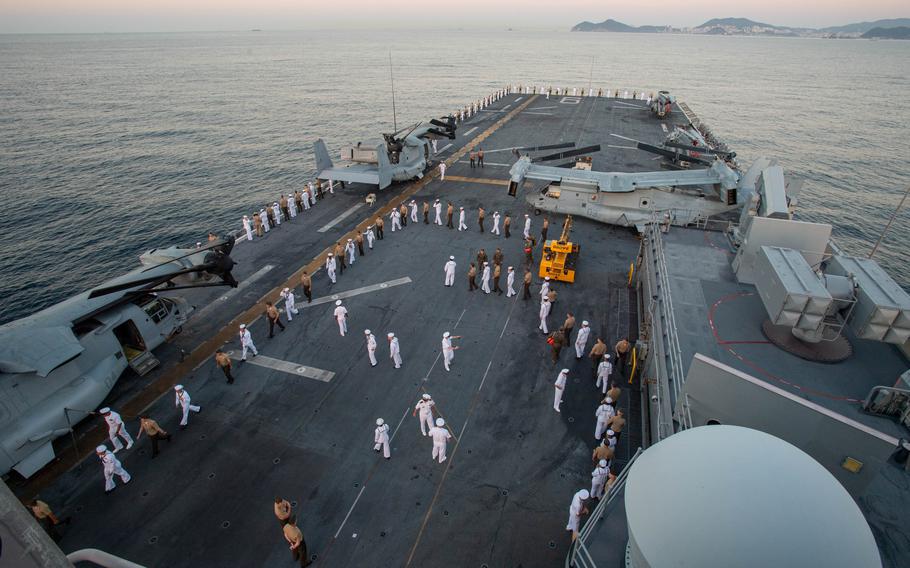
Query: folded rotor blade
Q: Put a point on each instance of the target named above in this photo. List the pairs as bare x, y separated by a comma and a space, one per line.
549, 147
569, 154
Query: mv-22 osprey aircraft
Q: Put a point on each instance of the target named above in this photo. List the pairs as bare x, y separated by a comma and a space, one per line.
398, 157
69, 355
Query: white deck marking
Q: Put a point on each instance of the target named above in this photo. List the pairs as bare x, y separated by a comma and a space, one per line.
339, 218
624, 137
628, 105
492, 110
486, 163
249, 280
444, 148
470, 131
518, 99
539, 113
459, 318
542, 108
355, 292
507, 106
351, 510
285, 367
664, 126
622, 147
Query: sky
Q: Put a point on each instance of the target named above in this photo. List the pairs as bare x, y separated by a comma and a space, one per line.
85, 16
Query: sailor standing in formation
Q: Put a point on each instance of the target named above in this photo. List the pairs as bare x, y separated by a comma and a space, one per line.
604, 370
330, 266
448, 350
425, 407
413, 206
599, 479
351, 252
381, 438
582, 339
544, 312
576, 510
437, 207
116, 429
371, 347
246, 342
264, 219
527, 231
183, 400
440, 438
442, 171
461, 223
290, 303
510, 282
560, 389
485, 278
603, 413
449, 269
496, 216
545, 287
370, 236
112, 467
394, 350
395, 216
248, 228
341, 316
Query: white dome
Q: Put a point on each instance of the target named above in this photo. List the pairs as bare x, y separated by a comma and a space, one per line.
730, 496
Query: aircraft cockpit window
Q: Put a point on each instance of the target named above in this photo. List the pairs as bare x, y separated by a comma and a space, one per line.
84, 327
554, 192
156, 310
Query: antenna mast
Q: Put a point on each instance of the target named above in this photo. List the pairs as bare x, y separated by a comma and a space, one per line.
591, 76
891, 220
392, 79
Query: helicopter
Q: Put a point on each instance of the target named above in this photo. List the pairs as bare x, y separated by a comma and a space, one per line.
70, 355
662, 104
400, 156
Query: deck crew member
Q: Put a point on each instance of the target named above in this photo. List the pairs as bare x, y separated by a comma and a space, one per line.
497, 272
311, 187
257, 225
296, 543
425, 407
395, 216
46, 518
292, 206
437, 207
116, 429
440, 437
603, 451
394, 350
596, 354
381, 438
506, 225
282, 510
614, 392
442, 171
338, 251
298, 200
359, 240
461, 224
223, 362
473, 157
527, 231
569, 324
481, 257
112, 467
485, 278
341, 316
305, 197
264, 219
599, 479
247, 227
183, 400
449, 270
403, 211
560, 389
510, 283
371, 347
497, 256
622, 352
290, 303
246, 342
413, 206
274, 318
543, 230
307, 284
582, 339
604, 370
496, 217
557, 341
603, 413
529, 252
370, 236
276, 210
154, 432
472, 275
527, 284
450, 210
448, 350
426, 212
544, 312
283, 205
350, 250
380, 224
617, 422
576, 510
480, 156
481, 215
330, 265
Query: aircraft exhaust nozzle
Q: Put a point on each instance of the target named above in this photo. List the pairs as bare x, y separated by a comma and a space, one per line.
323, 161
518, 173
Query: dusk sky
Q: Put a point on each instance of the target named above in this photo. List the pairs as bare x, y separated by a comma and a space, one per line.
25, 16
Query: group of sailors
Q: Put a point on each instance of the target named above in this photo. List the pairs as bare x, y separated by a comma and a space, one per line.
579, 92
470, 110
286, 208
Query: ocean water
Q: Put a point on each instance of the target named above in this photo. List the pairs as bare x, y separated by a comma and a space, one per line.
113, 144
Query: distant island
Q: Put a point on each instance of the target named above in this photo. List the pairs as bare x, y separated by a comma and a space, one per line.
885, 29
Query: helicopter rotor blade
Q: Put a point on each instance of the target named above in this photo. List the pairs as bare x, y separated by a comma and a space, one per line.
699, 149
147, 283
569, 154
207, 246
668, 154
548, 147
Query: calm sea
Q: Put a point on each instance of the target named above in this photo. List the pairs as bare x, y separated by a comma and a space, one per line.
113, 144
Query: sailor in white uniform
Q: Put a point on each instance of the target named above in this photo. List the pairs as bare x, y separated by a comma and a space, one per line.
582, 339
413, 207
306, 198
449, 269
527, 231
290, 303
351, 251
599, 479
545, 287
576, 510
603, 413
440, 438
461, 224
381, 438
371, 347
442, 171
604, 370
112, 467
370, 236
330, 265
183, 400
437, 206
544, 312
496, 217
485, 278
394, 350
560, 388
448, 350
425, 408
248, 227
246, 342
292, 207
341, 316
312, 188
395, 216
434, 146
264, 217
277, 211
510, 282
116, 429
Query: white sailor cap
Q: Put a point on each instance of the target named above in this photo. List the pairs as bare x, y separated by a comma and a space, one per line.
440, 422
510, 269
426, 396
485, 263
350, 240
462, 208
565, 371
391, 335
101, 449
246, 217
286, 290
607, 356
380, 421
178, 387
546, 278
104, 410
243, 326
611, 433
276, 203
451, 258
585, 322
584, 494
337, 302
609, 400
330, 254
366, 332
446, 334
602, 463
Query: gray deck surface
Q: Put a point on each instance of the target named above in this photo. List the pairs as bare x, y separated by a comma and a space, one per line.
502, 497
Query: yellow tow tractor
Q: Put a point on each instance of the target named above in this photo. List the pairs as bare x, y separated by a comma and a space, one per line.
559, 256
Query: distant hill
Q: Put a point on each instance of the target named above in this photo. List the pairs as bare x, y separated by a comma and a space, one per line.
614, 26
863, 27
900, 32
736, 23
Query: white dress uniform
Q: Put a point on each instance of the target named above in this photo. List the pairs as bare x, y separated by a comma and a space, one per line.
394, 350
440, 437
545, 288
246, 342
527, 231
115, 424
496, 217
381, 438
305, 198
603, 413
312, 188
263, 216
603, 373
448, 352
575, 509
332, 187
510, 282
341, 316
461, 223
248, 227
485, 278
371, 347
424, 409
370, 237
413, 206
277, 211
183, 400
560, 388
395, 215
351, 250
599, 479
544, 312
442, 171
449, 269
290, 303
434, 146
437, 206
112, 467
582, 340
292, 207
330, 266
